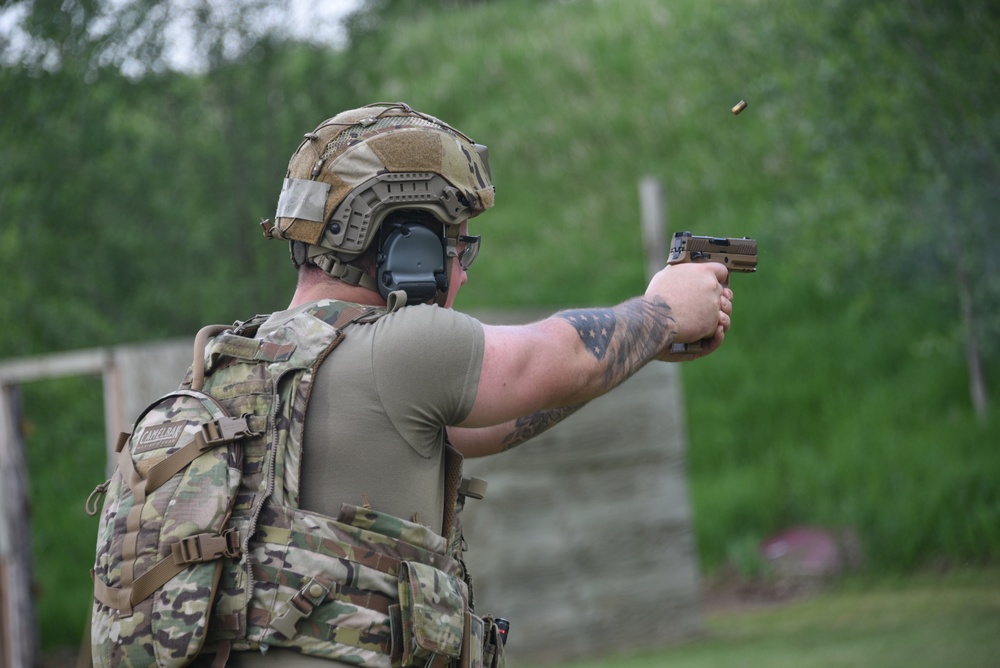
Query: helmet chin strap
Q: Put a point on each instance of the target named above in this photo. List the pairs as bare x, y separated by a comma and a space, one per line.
345, 272
332, 266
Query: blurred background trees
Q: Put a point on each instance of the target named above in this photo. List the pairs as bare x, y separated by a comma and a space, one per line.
142, 141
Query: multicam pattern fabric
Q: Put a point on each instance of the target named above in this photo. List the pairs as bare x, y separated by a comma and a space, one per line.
363, 588
432, 611
354, 146
137, 532
493, 645
264, 368
359, 132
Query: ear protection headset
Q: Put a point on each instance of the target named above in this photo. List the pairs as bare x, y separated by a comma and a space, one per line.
411, 258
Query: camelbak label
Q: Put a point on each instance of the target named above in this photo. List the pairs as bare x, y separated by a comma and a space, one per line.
159, 436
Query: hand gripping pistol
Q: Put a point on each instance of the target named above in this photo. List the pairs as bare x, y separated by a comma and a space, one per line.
739, 255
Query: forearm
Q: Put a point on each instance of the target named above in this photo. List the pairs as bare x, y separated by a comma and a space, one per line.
482, 441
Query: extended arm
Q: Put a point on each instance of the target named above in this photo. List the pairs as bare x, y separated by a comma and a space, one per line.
535, 375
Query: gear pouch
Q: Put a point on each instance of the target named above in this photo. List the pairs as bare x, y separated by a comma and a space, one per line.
493, 645
431, 620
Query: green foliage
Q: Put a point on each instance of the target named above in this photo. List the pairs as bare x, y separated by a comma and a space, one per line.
133, 200
65, 458
868, 428
870, 142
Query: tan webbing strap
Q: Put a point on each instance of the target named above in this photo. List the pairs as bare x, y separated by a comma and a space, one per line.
107, 595
474, 488
153, 579
138, 487
198, 363
222, 654
220, 432
345, 272
191, 550
122, 440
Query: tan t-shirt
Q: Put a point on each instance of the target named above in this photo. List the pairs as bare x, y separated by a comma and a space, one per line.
376, 421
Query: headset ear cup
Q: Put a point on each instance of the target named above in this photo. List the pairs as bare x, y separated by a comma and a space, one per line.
412, 258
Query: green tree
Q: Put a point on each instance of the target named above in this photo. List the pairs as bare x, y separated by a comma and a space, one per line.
131, 198
936, 64
899, 148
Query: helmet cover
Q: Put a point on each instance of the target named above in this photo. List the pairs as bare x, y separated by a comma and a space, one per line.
358, 166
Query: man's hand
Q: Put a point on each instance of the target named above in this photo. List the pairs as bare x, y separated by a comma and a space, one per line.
701, 305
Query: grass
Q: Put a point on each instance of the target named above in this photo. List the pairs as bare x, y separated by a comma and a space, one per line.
918, 622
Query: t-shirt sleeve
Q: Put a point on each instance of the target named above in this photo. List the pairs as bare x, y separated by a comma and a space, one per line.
427, 361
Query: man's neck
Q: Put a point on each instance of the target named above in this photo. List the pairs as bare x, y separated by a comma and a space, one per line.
356, 294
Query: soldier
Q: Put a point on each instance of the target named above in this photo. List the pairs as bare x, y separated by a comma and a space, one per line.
343, 545
376, 201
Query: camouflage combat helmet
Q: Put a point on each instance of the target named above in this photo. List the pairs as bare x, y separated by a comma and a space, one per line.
360, 165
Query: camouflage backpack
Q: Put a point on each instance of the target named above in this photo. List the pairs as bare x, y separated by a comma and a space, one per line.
202, 548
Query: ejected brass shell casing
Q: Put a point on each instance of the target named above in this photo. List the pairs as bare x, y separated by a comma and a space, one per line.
740, 106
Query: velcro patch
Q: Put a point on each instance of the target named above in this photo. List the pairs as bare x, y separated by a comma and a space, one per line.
159, 436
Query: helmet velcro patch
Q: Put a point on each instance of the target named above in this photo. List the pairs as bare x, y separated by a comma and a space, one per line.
409, 151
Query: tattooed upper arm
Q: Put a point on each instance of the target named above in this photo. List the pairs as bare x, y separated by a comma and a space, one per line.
625, 337
531, 369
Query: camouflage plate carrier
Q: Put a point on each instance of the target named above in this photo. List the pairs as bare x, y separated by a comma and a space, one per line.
202, 548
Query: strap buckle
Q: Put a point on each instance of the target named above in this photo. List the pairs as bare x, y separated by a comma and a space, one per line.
225, 430
301, 605
206, 547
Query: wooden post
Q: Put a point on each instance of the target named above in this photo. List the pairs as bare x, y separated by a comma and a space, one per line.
18, 633
654, 224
